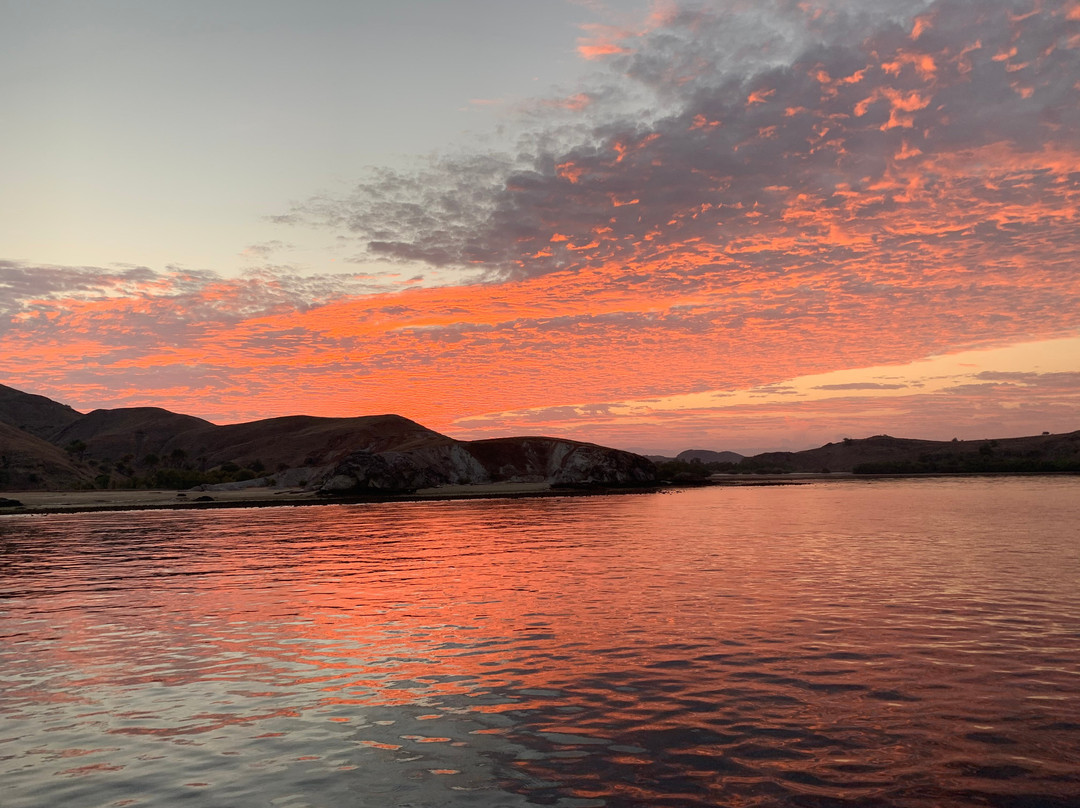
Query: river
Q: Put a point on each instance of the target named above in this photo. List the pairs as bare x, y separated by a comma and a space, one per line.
873, 643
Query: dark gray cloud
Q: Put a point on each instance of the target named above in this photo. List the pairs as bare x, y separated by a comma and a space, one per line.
19, 281
757, 192
1057, 381
265, 249
437, 215
701, 46
766, 109
162, 304
26, 286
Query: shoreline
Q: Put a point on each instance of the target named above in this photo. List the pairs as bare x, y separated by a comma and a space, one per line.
117, 500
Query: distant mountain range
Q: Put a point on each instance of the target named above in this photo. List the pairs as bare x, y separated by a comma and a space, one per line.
48, 445
884, 454
706, 456
45, 444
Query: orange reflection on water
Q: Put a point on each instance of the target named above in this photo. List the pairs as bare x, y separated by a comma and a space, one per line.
703, 644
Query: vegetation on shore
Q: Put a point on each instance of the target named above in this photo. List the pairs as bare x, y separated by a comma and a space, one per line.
150, 472
970, 463
173, 472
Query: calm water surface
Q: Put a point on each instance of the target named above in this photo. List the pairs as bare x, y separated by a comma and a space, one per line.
902, 643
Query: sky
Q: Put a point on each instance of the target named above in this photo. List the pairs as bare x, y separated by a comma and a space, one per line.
728, 225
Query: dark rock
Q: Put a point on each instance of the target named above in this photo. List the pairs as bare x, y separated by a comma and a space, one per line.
10, 503
389, 472
558, 462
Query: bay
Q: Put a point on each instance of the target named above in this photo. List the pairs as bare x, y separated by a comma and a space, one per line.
883, 643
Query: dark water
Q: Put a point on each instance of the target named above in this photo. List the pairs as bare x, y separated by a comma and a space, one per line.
904, 643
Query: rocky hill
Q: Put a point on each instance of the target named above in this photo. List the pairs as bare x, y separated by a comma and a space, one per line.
512, 460
28, 462
45, 444
153, 447
707, 456
41, 417
107, 435
139, 432
884, 454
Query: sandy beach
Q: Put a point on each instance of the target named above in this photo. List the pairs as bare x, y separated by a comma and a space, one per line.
129, 500
260, 496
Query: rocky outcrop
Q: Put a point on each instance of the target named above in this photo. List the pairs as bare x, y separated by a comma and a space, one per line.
596, 465
559, 462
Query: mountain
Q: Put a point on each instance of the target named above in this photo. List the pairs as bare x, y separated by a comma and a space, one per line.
41, 417
153, 447
311, 440
139, 432
47, 444
706, 456
883, 454
846, 455
28, 462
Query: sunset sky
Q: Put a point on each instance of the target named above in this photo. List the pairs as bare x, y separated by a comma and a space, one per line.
739, 224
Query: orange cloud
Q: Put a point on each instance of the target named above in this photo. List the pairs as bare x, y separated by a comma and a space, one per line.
598, 50
602, 41
921, 25
885, 202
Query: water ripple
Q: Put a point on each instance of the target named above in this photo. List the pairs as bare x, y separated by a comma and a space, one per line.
913, 643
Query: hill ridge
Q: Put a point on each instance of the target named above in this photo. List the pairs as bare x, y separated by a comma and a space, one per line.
885, 454
153, 446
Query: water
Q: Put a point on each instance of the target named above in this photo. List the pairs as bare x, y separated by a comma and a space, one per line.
902, 643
